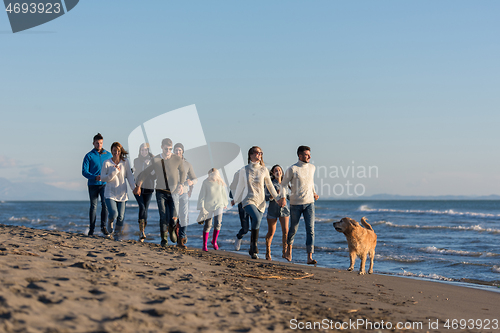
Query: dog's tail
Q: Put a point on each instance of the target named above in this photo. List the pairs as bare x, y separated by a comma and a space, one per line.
366, 224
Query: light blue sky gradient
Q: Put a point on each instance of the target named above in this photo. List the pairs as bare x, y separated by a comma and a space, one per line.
409, 87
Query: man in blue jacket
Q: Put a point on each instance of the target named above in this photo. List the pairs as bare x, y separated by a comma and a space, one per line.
91, 169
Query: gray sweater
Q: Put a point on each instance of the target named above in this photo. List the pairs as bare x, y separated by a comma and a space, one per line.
174, 170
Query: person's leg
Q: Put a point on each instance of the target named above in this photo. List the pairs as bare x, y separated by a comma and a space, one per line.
284, 230
112, 209
140, 203
162, 210
244, 220
183, 215
120, 207
255, 218
295, 211
245, 225
142, 211
93, 196
104, 209
146, 194
206, 230
217, 225
146, 198
172, 217
309, 213
271, 228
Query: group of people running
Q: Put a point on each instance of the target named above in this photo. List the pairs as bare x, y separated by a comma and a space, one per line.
171, 177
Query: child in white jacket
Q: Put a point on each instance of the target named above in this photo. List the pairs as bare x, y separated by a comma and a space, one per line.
212, 202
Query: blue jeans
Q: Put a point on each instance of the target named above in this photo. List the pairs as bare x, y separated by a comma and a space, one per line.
255, 215
182, 207
94, 192
244, 220
143, 201
166, 208
116, 211
295, 212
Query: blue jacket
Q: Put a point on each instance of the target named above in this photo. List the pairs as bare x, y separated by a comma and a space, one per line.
92, 163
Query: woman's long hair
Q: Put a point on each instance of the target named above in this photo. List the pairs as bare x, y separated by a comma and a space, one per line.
214, 176
148, 156
271, 173
251, 151
123, 152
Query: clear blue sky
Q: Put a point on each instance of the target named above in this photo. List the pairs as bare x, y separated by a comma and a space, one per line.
409, 87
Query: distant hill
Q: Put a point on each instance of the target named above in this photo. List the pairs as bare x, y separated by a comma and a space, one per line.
36, 191
420, 197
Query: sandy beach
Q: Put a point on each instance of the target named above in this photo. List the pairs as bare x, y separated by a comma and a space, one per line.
54, 281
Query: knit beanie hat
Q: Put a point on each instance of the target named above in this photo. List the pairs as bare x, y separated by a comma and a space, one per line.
179, 145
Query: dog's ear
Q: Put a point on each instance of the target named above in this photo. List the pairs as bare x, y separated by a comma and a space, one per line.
354, 223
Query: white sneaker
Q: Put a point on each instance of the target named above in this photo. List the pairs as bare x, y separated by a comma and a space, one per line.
237, 244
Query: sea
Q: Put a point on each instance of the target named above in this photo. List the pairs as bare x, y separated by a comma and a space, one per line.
451, 241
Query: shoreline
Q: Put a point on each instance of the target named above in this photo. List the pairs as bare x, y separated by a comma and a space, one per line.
64, 282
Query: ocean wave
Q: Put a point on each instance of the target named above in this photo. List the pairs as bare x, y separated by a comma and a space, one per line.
329, 249
495, 269
365, 208
416, 226
399, 258
432, 276
433, 249
24, 219
324, 220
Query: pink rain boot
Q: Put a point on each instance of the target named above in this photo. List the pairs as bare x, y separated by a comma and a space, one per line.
214, 239
205, 241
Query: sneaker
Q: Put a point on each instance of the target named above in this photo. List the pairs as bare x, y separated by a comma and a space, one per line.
237, 244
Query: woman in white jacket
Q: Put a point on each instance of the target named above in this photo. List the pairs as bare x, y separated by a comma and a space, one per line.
250, 192
211, 202
114, 171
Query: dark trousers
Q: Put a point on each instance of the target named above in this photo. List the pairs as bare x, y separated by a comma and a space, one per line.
94, 192
166, 208
244, 220
143, 201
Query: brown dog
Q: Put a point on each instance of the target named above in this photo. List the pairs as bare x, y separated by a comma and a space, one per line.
361, 241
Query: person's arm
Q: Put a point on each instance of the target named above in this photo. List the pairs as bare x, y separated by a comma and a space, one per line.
287, 177
136, 168
316, 197
270, 187
129, 175
241, 185
201, 197
149, 171
232, 187
108, 172
182, 177
224, 196
86, 169
191, 176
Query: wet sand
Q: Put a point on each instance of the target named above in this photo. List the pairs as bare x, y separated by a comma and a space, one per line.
52, 281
